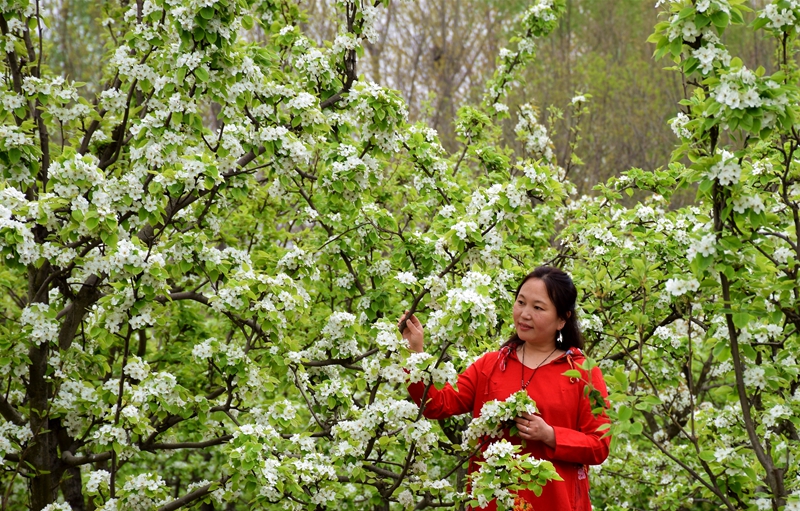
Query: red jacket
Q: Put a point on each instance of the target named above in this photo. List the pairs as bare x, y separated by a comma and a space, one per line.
561, 403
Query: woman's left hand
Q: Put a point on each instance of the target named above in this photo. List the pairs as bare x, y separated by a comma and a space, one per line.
533, 427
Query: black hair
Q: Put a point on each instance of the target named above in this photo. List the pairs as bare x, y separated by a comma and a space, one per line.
563, 294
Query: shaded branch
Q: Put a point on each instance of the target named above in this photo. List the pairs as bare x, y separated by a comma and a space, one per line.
197, 494
10, 413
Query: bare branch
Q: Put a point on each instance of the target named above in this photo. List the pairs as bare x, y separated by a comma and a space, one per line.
194, 495
10, 413
74, 461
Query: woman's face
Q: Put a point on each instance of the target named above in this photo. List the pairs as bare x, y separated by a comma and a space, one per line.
535, 316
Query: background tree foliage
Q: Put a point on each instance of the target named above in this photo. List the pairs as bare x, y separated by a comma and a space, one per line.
206, 249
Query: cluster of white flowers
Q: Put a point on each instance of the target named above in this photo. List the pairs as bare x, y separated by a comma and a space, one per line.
590, 322
420, 368
137, 490
406, 277
682, 29
387, 337
129, 66
534, 175
204, 350
776, 413
447, 211
98, 479
793, 503
463, 228
349, 166
71, 393
417, 366
108, 435
667, 334
678, 125
678, 287
737, 90
754, 377
42, 322
137, 368
710, 53
435, 284
472, 296
496, 452
782, 254
385, 414
11, 100
781, 16
742, 203
516, 194
533, 134
540, 10
727, 170
364, 98
58, 506
314, 63
75, 175
705, 246
493, 415
13, 436
498, 456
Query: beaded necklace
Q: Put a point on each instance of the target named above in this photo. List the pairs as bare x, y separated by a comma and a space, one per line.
522, 377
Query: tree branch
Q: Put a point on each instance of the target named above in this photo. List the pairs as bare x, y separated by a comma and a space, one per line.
192, 496
10, 413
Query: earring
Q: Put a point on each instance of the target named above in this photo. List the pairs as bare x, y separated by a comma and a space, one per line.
559, 339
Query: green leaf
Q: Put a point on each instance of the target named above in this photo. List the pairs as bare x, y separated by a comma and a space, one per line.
760, 23
707, 456
622, 378
572, 373
686, 12
720, 19
740, 319
201, 74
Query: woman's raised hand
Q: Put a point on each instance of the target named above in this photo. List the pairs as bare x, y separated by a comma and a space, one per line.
412, 332
533, 427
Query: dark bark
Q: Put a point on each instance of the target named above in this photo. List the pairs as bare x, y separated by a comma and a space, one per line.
88, 294
71, 488
42, 485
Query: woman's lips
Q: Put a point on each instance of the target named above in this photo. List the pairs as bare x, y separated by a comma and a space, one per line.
524, 327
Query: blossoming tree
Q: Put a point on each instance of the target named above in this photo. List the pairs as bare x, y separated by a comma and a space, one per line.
202, 307
203, 264
694, 311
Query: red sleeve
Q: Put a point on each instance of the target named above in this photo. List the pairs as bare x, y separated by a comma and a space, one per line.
586, 445
448, 401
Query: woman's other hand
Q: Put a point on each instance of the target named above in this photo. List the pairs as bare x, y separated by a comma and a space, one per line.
533, 427
413, 332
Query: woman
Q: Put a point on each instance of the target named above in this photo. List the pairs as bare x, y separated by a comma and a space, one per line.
547, 342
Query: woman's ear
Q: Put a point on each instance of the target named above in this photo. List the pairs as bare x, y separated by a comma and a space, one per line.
564, 319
